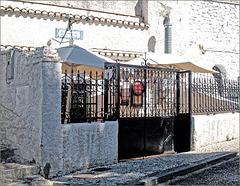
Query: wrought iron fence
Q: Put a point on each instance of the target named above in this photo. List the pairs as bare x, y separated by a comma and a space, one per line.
82, 97
211, 94
146, 92
184, 96
111, 92
122, 91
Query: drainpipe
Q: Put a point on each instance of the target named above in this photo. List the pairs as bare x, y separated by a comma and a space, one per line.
168, 36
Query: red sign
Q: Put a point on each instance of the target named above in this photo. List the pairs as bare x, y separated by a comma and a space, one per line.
138, 88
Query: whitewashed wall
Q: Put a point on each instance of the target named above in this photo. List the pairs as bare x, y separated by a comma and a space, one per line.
21, 113
204, 32
35, 30
31, 119
210, 129
215, 26
89, 144
117, 6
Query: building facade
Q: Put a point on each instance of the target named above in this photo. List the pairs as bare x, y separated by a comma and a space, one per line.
204, 32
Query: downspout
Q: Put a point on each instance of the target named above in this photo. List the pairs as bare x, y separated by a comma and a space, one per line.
168, 36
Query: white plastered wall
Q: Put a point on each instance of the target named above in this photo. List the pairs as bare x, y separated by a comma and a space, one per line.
210, 129
31, 119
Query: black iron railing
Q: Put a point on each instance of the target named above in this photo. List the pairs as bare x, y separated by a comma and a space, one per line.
147, 92
82, 97
183, 94
212, 95
123, 91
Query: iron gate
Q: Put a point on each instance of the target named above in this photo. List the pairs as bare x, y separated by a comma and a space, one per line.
145, 100
182, 124
153, 105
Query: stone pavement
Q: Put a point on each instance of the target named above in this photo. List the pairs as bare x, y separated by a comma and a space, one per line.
152, 170
19, 174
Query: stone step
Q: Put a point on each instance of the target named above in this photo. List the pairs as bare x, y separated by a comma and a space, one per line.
15, 171
21, 175
35, 180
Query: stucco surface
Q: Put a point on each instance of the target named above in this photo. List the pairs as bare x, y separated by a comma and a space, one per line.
120, 7
89, 144
51, 117
214, 27
205, 33
210, 129
31, 119
20, 112
37, 30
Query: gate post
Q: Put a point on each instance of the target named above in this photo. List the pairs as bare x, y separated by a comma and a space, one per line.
178, 93
190, 109
118, 91
190, 93
145, 113
106, 84
182, 125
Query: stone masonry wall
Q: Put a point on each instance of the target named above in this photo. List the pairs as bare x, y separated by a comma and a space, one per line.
21, 99
203, 32
206, 33
31, 119
214, 29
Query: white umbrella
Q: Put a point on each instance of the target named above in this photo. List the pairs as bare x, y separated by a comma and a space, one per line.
169, 61
77, 58
77, 55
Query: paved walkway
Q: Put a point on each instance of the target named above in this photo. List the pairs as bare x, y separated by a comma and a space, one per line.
152, 170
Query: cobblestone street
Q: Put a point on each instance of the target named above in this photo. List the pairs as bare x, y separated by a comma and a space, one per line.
226, 173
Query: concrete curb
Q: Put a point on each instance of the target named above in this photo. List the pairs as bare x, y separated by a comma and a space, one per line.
183, 170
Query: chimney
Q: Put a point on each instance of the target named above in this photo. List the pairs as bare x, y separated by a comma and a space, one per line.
168, 36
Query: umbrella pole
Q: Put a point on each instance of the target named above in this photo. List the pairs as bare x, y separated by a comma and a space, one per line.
69, 98
68, 105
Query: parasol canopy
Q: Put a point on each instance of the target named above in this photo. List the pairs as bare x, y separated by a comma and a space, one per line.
80, 56
76, 58
169, 61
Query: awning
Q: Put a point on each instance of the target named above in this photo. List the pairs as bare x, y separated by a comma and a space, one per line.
169, 61
186, 66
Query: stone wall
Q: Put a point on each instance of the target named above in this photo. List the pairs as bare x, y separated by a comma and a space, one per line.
31, 119
203, 32
206, 33
214, 28
210, 129
21, 111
